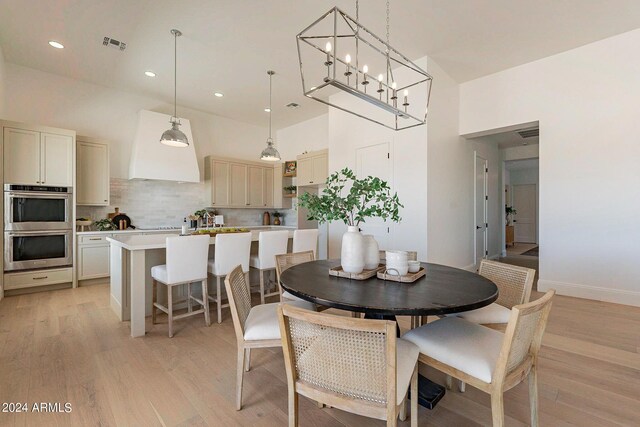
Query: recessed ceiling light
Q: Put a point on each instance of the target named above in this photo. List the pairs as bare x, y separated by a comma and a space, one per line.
56, 44
149, 74
218, 94
268, 110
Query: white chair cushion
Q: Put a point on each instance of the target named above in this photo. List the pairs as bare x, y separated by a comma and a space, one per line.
406, 358
262, 321
492, 313
159, 272
470, 348
286, 295
254, 261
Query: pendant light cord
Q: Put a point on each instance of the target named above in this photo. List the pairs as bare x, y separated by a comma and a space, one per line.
270, 92
175, 75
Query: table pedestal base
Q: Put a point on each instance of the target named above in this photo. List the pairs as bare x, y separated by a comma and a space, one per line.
429, 393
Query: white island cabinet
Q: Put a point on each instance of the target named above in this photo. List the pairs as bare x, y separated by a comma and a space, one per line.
131, 259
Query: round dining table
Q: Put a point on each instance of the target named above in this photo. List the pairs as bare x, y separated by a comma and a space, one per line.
442, 290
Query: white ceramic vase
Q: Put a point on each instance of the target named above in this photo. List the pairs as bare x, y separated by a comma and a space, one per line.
371, 252
352, 254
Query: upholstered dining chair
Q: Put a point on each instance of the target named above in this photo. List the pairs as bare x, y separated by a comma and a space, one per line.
356, 365
514, 287
489, 360
255, 327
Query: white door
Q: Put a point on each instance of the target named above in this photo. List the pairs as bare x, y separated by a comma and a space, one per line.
57, 160
480, 191
375, 160
21, 156
524, 202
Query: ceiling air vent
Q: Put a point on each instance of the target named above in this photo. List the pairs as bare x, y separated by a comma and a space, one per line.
529, 133
292, 105
113, 43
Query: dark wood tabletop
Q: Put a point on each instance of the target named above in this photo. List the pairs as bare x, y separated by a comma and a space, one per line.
442, 290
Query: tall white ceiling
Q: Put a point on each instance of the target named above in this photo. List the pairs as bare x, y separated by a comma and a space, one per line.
228, 45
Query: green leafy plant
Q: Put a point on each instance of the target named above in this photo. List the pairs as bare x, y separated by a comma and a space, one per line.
105, 225
351, 200
290, 189
509, 211
277, 214
200, 213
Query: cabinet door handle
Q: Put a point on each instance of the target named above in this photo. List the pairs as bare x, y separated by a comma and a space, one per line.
40, 278
95, 238
105, 200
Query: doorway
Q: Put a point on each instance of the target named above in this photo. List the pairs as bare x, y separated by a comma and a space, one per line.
481, 197
524, 202
522, 192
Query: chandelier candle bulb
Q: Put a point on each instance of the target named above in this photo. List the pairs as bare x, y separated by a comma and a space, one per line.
365, 82
394, 93
327, 49
380, 90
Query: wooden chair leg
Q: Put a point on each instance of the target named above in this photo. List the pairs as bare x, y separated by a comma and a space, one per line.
449, 382
170, 307
293, 408
247, 361
497, 408
189, 302
414, 397
533, 395
154, 299
239, 376
403, 410
205, 300
261, 286
218, 302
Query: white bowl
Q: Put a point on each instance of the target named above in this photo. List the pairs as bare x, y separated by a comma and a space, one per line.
414, 266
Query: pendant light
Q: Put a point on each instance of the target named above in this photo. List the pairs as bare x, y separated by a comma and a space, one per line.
174, 137
270, 153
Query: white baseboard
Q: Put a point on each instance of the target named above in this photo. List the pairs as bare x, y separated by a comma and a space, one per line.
618, 296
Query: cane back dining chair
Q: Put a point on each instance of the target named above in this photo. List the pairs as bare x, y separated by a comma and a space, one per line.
487, 359
356, 365
255, 327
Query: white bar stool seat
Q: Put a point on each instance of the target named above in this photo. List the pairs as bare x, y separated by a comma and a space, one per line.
305, 240
230, 251
270, 244
186, 263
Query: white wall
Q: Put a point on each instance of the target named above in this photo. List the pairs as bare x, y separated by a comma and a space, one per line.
310, 135
586, 101
450, 184
2, 83
111, 115
408, 149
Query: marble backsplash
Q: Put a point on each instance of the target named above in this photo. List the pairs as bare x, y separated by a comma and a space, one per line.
152, 204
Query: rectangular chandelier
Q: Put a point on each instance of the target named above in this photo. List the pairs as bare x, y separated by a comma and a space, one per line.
340, 57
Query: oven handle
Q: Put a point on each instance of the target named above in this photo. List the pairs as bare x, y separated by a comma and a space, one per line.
38, 233
38, 195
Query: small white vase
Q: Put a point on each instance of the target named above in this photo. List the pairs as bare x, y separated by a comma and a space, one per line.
352, 254
371, 252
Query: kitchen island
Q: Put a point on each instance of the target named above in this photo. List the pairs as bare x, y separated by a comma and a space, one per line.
131, 259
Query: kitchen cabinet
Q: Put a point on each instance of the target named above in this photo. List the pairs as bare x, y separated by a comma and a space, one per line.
238, 185
92, 172
313, 168
35, 158
242, 184
255, 188
219, 171
33, 278
93, 256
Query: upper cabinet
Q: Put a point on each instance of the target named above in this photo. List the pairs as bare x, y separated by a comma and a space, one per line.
92, 172
240, 184
313, 168
34, 157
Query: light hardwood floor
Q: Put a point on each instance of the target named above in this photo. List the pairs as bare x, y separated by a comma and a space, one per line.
67, 346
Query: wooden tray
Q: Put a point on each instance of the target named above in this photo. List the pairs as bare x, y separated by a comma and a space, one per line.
366, 274
407, 278
214, 232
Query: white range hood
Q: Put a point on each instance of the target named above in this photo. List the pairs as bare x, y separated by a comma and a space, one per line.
152, 160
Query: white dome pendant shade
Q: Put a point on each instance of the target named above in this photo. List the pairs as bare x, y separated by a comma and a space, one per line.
270, 153
174, 137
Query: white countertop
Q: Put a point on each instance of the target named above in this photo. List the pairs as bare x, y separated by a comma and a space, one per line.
177, 230
158, 240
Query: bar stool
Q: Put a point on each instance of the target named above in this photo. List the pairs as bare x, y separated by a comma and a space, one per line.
186, 263
270, 244
230, 250
305, 240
